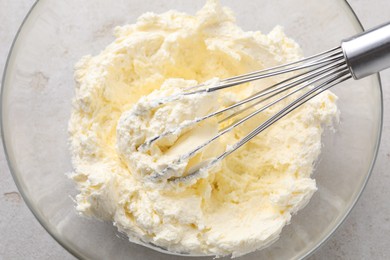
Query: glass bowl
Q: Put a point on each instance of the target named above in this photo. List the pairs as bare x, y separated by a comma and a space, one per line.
36, 102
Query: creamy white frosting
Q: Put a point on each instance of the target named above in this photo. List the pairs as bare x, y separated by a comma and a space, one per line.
241, 205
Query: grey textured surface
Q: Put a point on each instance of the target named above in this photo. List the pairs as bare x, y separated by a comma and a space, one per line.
364, 235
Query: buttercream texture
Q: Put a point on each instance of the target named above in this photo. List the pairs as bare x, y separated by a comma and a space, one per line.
243, 203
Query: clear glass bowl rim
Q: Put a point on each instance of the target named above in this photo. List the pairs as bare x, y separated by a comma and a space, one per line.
57, 237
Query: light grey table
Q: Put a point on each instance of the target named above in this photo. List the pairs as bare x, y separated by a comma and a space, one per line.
364, 235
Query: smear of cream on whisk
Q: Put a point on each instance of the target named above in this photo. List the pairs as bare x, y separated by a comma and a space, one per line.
166, 110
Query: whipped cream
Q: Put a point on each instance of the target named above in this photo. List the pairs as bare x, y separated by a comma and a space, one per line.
240, 206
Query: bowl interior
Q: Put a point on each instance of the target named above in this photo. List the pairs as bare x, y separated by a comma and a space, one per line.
36, 105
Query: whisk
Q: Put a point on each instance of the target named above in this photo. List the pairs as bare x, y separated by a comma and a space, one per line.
356, 57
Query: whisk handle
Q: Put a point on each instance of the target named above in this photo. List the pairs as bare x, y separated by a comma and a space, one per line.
369, 52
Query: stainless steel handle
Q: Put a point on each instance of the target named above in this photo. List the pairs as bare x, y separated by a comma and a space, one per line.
369, 52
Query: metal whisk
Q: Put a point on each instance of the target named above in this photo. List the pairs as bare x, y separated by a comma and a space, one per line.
357, 57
